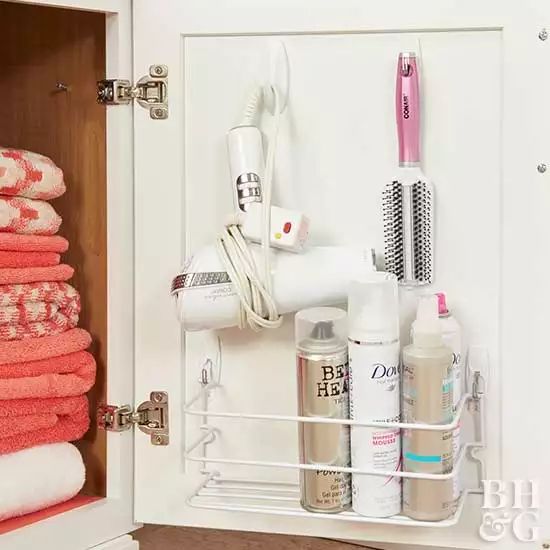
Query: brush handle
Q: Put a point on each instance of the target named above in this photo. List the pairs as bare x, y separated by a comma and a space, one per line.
407, 109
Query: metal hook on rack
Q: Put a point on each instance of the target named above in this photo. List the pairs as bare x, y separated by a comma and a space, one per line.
211, 371
478, 386
477, 372
477, 379
206, 372
211, 431
210, 376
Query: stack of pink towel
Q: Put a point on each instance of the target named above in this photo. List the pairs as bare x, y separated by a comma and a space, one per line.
45, 371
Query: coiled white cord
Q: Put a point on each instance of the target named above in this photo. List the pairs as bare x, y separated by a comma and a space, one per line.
252, 107
258, 309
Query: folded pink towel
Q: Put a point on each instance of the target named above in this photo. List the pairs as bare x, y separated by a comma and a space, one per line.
61, 272
60, 364
64, 376
35, 310
28, 216
9, 258
27, 174
33, 243
35, 349
30, 422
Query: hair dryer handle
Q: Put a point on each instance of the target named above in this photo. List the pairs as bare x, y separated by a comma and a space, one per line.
407, 109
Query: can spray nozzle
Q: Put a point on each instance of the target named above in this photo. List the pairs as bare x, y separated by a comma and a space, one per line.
321, 329
324, 330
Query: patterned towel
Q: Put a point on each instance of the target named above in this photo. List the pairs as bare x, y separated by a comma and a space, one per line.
37, 309
31, 175
28, 217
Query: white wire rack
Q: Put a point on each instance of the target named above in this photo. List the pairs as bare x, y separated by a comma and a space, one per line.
216, 492
283, 499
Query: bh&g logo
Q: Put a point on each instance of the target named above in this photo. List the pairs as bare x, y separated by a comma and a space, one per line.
510, 509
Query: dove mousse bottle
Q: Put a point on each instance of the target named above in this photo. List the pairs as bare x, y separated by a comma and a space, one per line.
373, 344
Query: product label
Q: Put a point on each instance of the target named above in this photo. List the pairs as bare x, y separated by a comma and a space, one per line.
447, 395
428, 451
323, 391
374, 397
374, 373
427, 398
427, 395
453, 340
456, 451
334, 381
324, 490
376, 449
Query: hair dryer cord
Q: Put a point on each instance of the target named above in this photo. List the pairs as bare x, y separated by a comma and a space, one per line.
253, 285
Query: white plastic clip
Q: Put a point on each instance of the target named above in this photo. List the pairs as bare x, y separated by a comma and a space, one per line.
278, 76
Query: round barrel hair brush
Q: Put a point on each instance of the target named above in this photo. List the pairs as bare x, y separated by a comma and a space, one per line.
408, 200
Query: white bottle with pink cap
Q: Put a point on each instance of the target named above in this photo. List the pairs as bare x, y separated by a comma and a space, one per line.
452, 337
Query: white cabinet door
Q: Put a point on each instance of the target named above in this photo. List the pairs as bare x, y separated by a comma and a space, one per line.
121, 543
485, 97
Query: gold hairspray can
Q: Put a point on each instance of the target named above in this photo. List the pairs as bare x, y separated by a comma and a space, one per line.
322, 370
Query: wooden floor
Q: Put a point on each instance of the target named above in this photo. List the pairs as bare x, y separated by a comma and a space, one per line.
158, 537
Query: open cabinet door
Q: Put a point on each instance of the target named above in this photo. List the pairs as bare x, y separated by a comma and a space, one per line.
485, 93
75, 43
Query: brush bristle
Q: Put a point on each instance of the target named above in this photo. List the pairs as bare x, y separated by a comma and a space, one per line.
392, 209
422, 222
422, 231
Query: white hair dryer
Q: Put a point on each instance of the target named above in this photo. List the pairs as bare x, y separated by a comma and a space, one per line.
206, 298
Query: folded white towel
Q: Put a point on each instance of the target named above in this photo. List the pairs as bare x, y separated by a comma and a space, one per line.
35, 478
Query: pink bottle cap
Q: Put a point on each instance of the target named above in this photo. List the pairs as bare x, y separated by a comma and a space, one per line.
442, 303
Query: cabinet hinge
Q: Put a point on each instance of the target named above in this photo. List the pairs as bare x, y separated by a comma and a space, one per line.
150, 91
151, 417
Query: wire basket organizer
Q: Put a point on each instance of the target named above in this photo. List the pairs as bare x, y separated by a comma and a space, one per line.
282, 498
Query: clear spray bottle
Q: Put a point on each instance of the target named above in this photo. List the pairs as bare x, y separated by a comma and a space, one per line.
427, 399
452, 337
